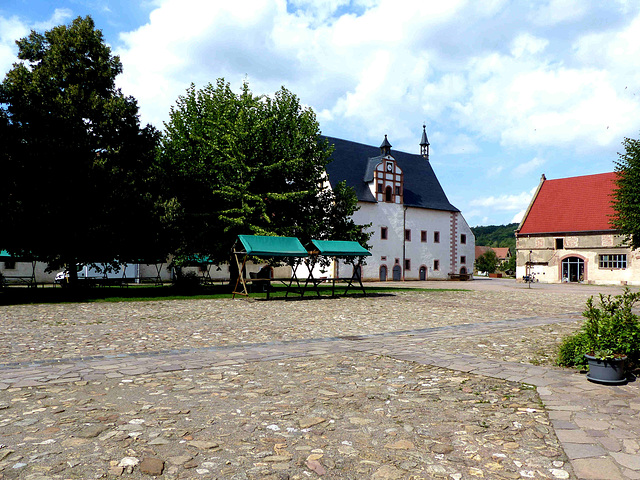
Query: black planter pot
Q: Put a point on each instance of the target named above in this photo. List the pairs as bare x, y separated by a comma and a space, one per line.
609, 372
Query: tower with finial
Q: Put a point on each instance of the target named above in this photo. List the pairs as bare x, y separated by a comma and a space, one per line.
385, 148
424, 143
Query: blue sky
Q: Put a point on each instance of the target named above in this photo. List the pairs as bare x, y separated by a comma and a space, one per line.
509, 90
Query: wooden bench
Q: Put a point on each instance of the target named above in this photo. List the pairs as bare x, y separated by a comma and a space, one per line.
28, 280
460, 276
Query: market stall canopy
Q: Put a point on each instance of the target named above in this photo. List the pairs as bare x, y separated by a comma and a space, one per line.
265, 246
340, 248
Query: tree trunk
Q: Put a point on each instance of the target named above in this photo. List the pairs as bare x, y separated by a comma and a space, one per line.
72, 274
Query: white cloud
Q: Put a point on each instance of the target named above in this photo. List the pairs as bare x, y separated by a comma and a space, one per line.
11, 29
384, 69
517, 218
528, 44
504, 202
526, 168
559, 11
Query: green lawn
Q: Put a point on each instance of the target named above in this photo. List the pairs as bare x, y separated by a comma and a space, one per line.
136, 293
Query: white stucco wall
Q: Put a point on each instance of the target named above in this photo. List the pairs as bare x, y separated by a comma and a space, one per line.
396, 220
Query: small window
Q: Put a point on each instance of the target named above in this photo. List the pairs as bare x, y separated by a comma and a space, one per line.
463, 259
423, 236
463, 239
383, 259
436, 265
407, 235
559, 243
380, 188
10, 265
436, 237
407, 264
613, 261
383, 233
397, 261
397, 189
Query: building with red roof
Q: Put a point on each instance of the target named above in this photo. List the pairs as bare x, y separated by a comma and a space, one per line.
502, 253
566, 234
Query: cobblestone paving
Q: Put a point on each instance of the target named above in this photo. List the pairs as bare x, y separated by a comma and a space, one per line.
535, 345
35, 332
414, 386
342, 417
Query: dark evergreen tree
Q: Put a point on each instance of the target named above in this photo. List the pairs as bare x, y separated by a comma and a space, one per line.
77, 167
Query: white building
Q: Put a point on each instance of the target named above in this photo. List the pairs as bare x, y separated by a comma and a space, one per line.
416, 233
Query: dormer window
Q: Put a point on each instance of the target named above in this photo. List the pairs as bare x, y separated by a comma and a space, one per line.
388, 177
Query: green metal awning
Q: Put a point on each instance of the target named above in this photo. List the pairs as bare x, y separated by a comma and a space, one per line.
265, 246
6, 254
340, 248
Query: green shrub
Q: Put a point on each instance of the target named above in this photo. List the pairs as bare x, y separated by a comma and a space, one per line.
187, 282
611, 330
572, 350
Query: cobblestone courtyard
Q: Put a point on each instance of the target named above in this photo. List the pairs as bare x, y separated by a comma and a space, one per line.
416, 385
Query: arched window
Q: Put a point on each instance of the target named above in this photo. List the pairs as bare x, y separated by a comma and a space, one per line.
388, 194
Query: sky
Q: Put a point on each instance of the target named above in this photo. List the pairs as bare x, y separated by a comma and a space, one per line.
508, 90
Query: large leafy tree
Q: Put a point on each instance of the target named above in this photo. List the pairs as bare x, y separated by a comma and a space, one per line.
627, 195
487, 262
77, 166
240, 163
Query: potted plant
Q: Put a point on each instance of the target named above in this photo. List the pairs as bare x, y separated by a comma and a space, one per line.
609, 340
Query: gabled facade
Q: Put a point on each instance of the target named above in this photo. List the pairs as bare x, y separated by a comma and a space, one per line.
566, 235
416, 233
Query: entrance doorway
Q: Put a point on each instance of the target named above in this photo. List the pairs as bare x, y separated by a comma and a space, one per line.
397, 273
423, 273
383, 273
572, 269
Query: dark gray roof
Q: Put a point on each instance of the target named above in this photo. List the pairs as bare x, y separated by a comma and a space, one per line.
424, 141
354, 162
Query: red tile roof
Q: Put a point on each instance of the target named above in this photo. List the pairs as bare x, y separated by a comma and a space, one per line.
575, 204
501, 252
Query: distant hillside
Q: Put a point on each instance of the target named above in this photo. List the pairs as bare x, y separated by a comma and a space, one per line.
496, 236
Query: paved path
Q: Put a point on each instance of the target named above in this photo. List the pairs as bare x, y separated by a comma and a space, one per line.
598, 426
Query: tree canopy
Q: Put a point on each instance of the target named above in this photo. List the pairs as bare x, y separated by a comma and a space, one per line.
77, 164
627, 195
239, 163
487, 262
496, 235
